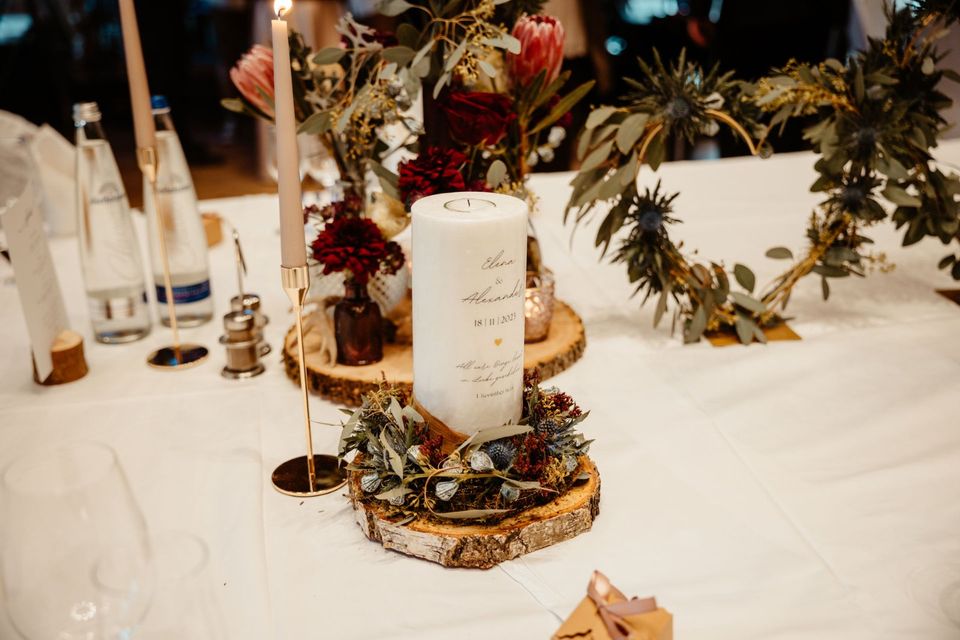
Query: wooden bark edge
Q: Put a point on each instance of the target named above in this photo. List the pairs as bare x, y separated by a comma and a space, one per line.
479, 546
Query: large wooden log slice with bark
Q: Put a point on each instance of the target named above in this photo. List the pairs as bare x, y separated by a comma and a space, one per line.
482, 546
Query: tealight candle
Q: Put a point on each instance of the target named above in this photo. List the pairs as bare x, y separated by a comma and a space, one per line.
468, 321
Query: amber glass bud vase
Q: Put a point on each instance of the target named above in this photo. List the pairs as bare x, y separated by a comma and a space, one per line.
358, 326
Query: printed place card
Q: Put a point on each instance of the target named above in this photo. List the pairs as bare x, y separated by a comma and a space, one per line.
37, 283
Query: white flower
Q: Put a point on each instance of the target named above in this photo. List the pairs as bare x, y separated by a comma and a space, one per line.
556, 136
480, 461
532, 159
369, 482
711, 128
447, 489
416, 456
546, 153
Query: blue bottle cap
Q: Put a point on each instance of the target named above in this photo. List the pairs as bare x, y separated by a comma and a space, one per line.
159, 102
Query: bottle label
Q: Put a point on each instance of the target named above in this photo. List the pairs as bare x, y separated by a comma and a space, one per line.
185, 294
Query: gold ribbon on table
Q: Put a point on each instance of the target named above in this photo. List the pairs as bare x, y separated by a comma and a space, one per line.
607, 614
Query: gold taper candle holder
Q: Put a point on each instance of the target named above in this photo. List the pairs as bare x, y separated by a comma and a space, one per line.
177, 355
309, 475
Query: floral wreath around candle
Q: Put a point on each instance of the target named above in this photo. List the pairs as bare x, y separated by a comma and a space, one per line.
495, 473
874, 121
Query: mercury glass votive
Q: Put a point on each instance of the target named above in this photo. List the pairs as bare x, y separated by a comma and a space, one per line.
538, 305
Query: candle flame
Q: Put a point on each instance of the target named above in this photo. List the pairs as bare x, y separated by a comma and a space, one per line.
280, 7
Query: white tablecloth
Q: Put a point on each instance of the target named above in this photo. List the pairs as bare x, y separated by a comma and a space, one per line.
797, 490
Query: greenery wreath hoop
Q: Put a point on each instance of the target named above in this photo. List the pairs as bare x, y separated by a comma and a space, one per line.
872, 121
495, 473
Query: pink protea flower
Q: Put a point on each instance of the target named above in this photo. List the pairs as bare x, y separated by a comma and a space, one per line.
252, 72
541, 48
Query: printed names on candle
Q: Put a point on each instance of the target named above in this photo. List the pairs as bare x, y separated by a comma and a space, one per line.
497, 374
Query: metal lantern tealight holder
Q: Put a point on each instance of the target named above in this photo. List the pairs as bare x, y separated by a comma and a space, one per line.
312, 474
176, 355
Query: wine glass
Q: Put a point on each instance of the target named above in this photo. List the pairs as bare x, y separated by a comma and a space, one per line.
185, 603
75, 560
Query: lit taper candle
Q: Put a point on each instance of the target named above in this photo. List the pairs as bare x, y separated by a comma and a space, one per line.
293, 251
137, 78
469, 278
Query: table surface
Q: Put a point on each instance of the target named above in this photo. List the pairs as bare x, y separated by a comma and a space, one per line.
795, 490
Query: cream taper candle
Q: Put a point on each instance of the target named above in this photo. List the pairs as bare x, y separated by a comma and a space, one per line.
293, 251
143, 126
469, 277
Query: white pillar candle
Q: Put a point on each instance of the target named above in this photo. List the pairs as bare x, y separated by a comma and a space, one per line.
137, 78
469, 277
293, 251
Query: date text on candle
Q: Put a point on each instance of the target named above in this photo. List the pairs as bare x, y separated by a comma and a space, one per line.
494, 321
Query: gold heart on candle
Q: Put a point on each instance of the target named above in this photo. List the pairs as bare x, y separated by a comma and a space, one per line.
498, 341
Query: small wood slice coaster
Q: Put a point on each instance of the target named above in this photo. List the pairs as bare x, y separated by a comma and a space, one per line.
778, 333
69, 363
482, 546
347, 385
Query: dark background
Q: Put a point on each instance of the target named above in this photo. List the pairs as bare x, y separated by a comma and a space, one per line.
54, 53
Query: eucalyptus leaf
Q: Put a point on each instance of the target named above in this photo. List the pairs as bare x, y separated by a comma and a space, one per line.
697, 324
563, 105
329, 55
496, 173
828, 271
598, 156
394, 410
630, 131
779, 253
598, 116
747, 302
496, 433
396, 462
899, 196
392, 8
455, 57
744, 327
745, 277
392, 495
488, 69
400, 54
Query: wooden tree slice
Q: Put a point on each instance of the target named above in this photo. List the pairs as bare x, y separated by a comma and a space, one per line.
69, 363
347, 385
479, 546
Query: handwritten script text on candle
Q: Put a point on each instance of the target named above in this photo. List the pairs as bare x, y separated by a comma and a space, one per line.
488, 295
485, 371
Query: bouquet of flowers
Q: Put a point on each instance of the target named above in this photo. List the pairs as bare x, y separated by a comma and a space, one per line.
346, 95
496, 90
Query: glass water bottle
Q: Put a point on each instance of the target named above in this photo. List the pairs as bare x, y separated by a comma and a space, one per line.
109, 249
186, 240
